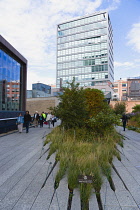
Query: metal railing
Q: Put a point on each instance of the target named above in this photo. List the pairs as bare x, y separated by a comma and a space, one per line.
7, 124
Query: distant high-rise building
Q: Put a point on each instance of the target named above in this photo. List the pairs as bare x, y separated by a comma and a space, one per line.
85, 51
42, 87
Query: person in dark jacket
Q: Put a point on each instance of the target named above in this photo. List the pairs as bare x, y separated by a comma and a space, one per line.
41, 119
124, 120
27, 120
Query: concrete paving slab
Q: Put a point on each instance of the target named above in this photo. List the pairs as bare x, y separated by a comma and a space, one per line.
76, 203
108, 196
119, 186
63, 194
93, 204
130, 182
125, 198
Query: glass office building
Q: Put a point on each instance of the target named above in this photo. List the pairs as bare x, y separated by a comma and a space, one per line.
85, 51
42, 87
13, 70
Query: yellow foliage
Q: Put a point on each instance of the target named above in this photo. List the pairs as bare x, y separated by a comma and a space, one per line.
95, 101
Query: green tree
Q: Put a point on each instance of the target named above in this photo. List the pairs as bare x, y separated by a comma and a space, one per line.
136, 108
120, 108
72, 107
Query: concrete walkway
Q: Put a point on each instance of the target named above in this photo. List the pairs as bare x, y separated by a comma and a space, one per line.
24, 169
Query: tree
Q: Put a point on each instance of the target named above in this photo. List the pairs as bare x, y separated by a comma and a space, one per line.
72, 107
95, 101
120, 108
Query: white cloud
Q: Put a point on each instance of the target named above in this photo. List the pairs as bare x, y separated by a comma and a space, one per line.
123, 64
134, 37
113, 4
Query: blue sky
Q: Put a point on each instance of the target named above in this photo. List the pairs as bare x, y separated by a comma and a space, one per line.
30, 26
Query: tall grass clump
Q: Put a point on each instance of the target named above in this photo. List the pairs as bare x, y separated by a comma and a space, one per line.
79, 156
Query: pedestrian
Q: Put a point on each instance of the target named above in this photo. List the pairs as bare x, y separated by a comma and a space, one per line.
36, 119
49, 119
53, 120
124, 120
44, 116
19, 122
41, 119
27, 120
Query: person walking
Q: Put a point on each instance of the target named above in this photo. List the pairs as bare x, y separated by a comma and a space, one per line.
124, 120
44, 116
36, 119
49, 118
27, 120
41, 120
53, 120
19, 122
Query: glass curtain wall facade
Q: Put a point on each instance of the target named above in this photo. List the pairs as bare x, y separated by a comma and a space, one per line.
9, 83
13, 80
85, 51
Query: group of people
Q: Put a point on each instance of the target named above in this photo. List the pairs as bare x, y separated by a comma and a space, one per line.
37, 119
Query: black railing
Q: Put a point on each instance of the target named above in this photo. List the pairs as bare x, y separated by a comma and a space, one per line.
8, 124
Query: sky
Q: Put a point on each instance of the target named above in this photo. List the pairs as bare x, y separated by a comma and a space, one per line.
30, 27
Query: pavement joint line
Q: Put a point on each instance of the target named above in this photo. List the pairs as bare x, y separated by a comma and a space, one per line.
119, 176
48, 174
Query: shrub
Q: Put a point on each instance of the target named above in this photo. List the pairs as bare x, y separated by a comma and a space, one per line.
136, 108
135, 120
104, 121
120, 108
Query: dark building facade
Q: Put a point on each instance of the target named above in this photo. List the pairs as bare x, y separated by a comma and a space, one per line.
13, 77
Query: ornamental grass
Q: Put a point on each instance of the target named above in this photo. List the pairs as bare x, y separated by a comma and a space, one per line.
80, 152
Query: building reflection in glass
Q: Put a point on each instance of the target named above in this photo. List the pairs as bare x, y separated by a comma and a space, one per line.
9, 83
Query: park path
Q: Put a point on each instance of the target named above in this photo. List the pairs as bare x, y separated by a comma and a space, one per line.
27, 178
